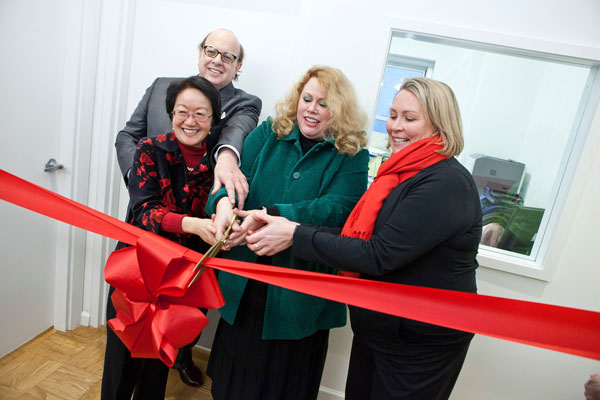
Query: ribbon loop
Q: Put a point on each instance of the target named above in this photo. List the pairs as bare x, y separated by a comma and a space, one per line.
156, 311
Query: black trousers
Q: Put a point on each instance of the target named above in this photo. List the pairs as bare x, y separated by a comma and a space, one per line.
425, 374
145, 378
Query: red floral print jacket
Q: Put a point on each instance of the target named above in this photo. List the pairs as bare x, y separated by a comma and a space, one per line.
160, 183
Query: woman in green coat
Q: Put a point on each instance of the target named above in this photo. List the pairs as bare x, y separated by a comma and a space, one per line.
308, 165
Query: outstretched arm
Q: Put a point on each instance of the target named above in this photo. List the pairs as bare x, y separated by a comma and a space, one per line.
273, 237
227, 173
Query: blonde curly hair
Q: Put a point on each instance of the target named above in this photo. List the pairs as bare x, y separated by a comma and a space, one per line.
347, 122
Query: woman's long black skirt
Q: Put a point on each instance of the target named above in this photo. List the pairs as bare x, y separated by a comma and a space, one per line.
244, 366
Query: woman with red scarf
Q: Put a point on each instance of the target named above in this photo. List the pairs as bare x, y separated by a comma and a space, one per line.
419, 223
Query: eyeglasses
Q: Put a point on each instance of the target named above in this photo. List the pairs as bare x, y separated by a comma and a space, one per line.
183, 115
226, 56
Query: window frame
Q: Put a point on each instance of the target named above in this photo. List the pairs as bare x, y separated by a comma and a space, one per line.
547, 247
405, 62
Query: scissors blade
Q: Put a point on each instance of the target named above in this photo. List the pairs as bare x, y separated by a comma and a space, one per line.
213, 250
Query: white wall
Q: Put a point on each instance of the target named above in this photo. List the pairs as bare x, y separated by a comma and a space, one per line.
497, 369
282, 40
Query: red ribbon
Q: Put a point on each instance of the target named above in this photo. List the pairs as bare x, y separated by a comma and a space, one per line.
563, 329
156, 313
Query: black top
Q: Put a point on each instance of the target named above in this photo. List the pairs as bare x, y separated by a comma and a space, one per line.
427, 233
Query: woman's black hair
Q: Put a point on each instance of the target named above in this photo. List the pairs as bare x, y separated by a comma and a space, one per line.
201, 84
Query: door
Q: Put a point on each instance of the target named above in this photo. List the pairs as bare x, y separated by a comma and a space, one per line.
41, 77
31, 74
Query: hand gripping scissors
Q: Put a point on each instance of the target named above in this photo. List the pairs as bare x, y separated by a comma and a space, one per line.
213, 250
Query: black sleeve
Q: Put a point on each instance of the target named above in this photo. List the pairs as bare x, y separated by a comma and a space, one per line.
147, 204
243, 120
434, 210
272, 210
135, 129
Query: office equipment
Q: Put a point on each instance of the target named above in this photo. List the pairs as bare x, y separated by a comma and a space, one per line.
500, 176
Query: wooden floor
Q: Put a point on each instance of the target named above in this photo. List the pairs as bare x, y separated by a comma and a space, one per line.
64, 366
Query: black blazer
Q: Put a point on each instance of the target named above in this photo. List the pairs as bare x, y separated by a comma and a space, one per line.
240, 113
427, 233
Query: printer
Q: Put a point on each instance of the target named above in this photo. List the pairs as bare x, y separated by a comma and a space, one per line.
497, 175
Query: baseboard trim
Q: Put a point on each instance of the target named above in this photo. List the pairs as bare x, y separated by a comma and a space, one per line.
85, 319
326, 393
48, 331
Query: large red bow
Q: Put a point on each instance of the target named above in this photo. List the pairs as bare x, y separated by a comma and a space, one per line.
156, 312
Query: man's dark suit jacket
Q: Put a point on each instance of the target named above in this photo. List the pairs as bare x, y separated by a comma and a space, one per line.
239, 116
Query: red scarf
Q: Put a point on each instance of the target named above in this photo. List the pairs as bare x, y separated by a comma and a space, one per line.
399, 167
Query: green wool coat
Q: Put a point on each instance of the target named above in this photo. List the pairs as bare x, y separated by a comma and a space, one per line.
318, 188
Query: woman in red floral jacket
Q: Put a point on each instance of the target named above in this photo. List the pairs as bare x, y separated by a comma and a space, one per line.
168, 188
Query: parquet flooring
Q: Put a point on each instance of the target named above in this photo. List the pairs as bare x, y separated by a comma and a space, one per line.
68, 366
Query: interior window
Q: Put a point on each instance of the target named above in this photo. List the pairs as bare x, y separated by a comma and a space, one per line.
521, 113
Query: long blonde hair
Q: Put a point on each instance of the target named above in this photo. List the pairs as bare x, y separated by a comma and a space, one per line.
347, 121
441, 110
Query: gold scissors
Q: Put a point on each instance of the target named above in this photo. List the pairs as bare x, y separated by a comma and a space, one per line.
213, 250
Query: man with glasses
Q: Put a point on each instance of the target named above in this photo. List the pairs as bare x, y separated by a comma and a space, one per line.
220, 60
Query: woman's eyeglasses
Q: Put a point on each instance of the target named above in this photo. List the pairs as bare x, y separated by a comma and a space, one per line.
183, 115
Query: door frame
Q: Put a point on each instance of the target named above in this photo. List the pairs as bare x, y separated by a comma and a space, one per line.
94, 102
